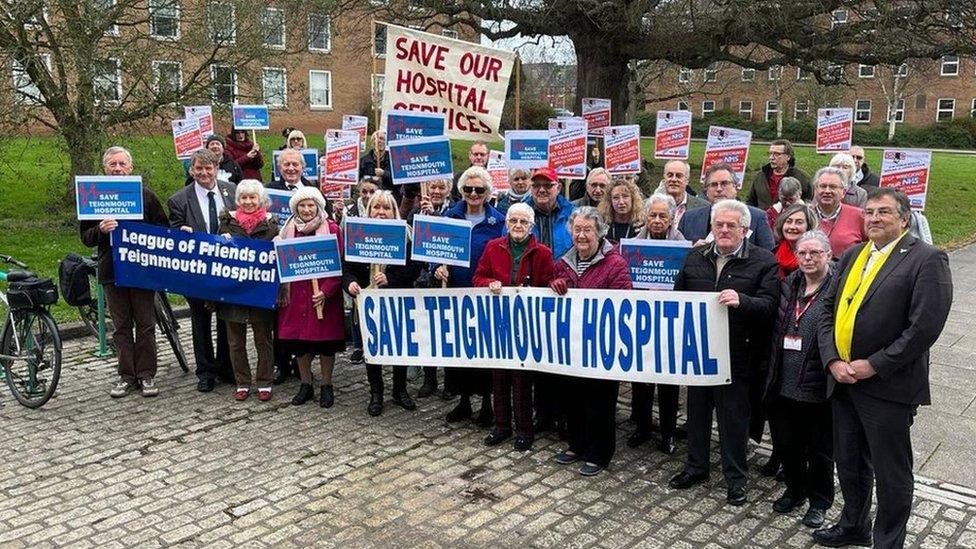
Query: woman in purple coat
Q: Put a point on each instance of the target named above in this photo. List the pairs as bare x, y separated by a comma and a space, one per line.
300, 330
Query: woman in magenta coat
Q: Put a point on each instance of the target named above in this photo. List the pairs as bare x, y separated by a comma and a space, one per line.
300, 331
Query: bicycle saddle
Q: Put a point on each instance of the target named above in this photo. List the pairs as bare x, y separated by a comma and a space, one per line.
17, 276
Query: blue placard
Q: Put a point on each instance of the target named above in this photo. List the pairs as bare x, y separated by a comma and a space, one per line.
527, 149
108, 197
307, 258
311, 157
418, 160
279, 204
251, 117
413, 125
441, 240
654, 264
199, 265
376, 241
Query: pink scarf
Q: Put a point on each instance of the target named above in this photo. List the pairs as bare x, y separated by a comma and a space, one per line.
249, 221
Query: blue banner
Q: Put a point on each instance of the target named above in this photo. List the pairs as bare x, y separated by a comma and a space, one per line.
279, 204
527, 149
654, 264
413, 125
251, 117
417, 160
199, 265
108, 197
441, 240
307, 258
376, 241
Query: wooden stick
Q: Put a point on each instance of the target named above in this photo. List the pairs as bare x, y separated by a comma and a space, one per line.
376, 93
319, 307
518, 91
374, 269
254, 137
424, 193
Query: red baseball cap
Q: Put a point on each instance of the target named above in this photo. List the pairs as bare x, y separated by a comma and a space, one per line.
545, 173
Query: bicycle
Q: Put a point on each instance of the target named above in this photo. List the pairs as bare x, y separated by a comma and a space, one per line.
30, 345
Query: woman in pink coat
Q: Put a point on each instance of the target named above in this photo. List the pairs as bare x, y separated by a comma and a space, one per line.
300, 331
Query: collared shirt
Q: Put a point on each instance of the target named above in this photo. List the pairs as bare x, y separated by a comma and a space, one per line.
680, 209
204, 202
288, 186
824, 217
876, 253
721, 259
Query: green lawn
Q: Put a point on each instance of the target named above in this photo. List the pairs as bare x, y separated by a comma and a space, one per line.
33, 174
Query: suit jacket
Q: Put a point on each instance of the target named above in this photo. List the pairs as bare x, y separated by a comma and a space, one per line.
900, 318
279, 184
696, 224
184, 209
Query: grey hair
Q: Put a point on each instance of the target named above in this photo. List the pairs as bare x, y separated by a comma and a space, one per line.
516, 171
790, 186
665, 199
844, 158
598, 171
829, 170
251, 186
591, 214
292, 151
475, 172
817, 235
684, 165
112, 151
732, 205
521, 208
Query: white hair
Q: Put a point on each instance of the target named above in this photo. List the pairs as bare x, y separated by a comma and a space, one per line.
666, 199
251, 186
817, 236
112, 151
475, 172
591, 214
732, 205
829, 170
521, 208
844, 158
301, 156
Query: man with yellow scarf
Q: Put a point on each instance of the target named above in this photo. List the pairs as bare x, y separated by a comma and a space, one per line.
882, 314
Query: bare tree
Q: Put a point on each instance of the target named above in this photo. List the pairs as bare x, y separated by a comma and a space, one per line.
898, 82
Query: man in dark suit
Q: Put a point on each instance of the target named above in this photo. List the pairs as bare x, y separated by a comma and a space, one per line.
195, 208
720, 184
291, 169
883, 313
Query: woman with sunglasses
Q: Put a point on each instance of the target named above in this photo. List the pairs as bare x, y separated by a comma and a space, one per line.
487, 224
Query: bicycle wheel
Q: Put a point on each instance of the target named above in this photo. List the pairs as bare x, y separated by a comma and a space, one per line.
168, 325
34, 338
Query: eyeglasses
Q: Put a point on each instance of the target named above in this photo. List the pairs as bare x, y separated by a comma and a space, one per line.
468, 189
517, 221
521, 178
856, 157
723, 225
546, 186
811, 253
774, 153
717, 184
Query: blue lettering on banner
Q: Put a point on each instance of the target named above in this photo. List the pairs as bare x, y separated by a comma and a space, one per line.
251, 117
441, 240
413, 125
419, 160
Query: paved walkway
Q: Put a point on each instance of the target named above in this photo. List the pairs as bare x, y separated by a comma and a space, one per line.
194, 470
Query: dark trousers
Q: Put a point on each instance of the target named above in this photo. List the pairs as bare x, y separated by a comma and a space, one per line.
468, 381
872, 439
512, 390
802, 433
210, 365
237, 341
133, 308
592, 419
430, 375
374, 374
731, 406
667, 404
550, 397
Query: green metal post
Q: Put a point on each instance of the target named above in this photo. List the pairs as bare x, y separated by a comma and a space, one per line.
103, 348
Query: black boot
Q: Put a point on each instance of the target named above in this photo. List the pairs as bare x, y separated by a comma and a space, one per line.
460, 412
430, 382
486, 418
375, 406
402, 397
305, 393
326, 396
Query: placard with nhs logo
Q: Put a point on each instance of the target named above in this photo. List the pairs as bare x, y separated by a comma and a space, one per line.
308, 258
108, 197
311, 157
441, 240
414, 124
376, 241
419, 160
654, 264
251, 117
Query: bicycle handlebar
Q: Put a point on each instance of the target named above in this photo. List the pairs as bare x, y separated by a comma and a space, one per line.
10, 259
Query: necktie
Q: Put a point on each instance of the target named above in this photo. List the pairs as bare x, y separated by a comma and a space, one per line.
213, 213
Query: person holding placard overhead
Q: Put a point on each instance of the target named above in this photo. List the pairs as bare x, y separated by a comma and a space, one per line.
131, 308
251, 220
195, 209
356, 276
487, 224
246, 153
310, 315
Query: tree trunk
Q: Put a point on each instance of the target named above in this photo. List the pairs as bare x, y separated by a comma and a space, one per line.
779, 119
85, 144
892, 119
601, 73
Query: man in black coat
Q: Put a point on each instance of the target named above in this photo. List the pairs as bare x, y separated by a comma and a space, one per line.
882, 314
745, 277
863, 176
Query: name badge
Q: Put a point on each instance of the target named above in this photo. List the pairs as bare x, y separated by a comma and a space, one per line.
792, 343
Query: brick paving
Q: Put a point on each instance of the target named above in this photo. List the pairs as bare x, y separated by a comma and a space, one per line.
200, 470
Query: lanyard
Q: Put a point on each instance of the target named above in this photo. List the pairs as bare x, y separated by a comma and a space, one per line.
799, 312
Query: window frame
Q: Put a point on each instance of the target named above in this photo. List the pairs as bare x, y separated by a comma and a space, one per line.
320, 107
684, 75
118, 83
328, 34
796, 109
18, 70
779, 73
772, 112
156, 63
284, 88
858, 111
939, 110
946, 62
749, 110
213, 83
752, 78
899, 112
707, 112
862, 74
283, 28
153, 14
212, 21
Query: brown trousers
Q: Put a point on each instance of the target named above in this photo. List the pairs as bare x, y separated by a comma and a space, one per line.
133, 308
237, 341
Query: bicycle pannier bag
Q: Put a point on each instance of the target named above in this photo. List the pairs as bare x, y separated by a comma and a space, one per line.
31, 293
73, 276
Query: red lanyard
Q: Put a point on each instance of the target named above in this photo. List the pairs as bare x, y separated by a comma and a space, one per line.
798, 312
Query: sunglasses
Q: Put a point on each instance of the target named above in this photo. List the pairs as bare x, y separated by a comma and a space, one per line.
467, 189
857, 157
543, 185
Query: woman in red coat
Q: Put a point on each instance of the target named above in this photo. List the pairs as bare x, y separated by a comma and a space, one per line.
516, 259
300, 331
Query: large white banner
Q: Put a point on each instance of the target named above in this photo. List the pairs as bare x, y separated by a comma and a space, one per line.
430, 73
678, 338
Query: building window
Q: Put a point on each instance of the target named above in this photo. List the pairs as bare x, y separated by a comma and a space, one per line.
164, 19
802, 74
379, 40
684, 75
801, 109
320, 89
167, 78
682, 105
835, 72
273, 25
223, 27
950, 65
945, 110
902, 70
27, 91
107, 81
711, 72
772, 108
274, 87
379, 80
35, 20
865, 71
319, 33
708, 107
748, 75
862, 111
899, 111
745, 109
972, 109
774, 73
837, 18
224, 84
105, 11
450, 33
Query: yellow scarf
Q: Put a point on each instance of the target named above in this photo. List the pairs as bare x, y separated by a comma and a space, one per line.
855, 288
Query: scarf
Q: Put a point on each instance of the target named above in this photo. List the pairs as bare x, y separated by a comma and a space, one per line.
855, 288
249, 221
787, 258
294, 227
308, 227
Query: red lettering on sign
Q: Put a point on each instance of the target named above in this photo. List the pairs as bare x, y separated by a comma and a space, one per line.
421, 52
